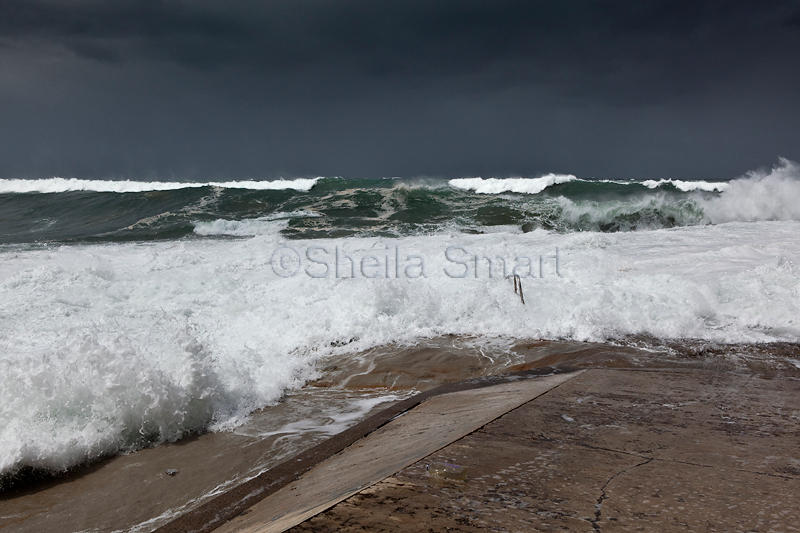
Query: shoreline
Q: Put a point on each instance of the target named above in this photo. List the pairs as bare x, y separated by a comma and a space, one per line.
220, 461
232, 503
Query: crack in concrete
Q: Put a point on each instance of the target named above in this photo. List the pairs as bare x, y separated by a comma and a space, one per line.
598, 507
678, 461
763, 473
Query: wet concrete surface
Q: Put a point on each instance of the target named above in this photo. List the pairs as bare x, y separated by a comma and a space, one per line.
610, 450
434, 423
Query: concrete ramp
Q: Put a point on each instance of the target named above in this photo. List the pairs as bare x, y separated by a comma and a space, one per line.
430, 426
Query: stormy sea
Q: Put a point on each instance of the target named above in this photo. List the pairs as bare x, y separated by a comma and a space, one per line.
136, 313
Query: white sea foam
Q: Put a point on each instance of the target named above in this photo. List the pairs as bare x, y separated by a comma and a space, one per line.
763, 195
105, 347
773, 194
54, 185
328, 419
250, 226
687, 186
537, 185
517, 185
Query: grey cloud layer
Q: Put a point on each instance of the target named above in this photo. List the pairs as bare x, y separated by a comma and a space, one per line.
382, 88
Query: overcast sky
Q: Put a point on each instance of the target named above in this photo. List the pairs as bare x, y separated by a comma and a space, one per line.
188, 89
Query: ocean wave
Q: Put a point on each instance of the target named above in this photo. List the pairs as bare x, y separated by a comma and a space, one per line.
366, 207
113, 347
537, 185
57, 185
686, 186
517, 185
249, 227
772, 194
639, 213
765, 195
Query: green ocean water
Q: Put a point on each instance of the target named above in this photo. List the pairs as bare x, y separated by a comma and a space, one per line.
340, 207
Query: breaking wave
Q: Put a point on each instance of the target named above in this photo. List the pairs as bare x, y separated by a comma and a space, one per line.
344, 207
56, 185
687, 186
517, 185
113, 347
759, 195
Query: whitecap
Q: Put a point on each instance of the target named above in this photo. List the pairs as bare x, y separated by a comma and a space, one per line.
516, 185
56, 185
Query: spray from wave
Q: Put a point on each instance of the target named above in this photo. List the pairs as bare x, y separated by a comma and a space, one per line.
763, 195
759, 195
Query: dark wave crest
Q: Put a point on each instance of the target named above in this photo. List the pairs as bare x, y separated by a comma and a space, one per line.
337, 207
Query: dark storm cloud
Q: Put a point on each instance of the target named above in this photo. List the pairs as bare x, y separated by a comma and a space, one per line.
364, 87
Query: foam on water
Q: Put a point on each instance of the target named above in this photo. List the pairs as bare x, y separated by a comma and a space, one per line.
332, 420
537, 185
517, 185
248, 227
687, 186
110, 347
772, 194
759, 195
56, 185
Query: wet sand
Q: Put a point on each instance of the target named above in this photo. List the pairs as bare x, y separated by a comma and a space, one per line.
135, 490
